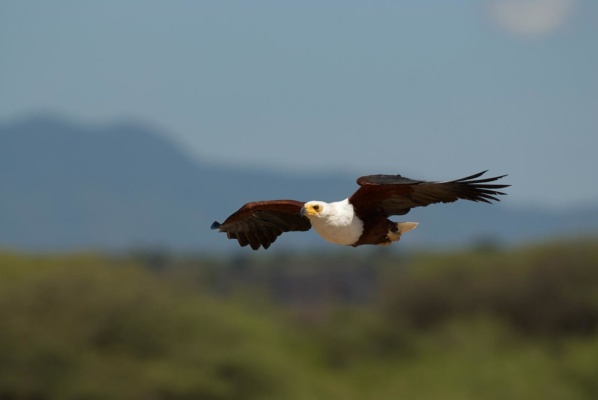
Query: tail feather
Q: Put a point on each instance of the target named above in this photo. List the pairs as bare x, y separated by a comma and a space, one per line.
402, 227
406, 226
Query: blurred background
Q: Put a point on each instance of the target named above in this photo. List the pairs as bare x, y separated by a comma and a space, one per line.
126, 129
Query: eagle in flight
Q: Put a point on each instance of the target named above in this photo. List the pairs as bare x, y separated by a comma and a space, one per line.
360, 219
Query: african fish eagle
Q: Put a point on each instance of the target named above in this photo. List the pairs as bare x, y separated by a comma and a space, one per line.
359, 219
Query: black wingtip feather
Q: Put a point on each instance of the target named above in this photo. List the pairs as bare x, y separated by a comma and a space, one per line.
479, 189
467, 178
471, 178
215, 225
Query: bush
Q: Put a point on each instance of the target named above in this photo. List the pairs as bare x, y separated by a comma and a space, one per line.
78, 328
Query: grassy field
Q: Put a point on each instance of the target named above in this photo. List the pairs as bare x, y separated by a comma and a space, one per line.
486, 324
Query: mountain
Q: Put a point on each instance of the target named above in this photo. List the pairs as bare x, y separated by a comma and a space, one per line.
67, 186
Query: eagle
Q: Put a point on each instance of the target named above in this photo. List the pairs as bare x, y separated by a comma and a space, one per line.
359, 219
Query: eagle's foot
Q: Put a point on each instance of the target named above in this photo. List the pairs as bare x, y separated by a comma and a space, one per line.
393, 236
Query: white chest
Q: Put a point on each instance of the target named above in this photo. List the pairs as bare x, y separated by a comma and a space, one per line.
339, 224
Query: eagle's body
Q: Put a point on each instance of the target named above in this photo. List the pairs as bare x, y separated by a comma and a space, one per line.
357, 220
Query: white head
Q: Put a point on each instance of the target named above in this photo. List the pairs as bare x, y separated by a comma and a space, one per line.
314, 209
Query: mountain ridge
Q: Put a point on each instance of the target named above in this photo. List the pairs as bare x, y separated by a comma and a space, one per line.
67, 186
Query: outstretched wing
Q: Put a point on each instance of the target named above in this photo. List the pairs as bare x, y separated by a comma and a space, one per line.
259, 223
396, 195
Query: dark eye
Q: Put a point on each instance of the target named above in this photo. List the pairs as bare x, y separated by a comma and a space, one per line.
316, 207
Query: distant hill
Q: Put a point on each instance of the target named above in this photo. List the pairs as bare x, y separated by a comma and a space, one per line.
65, 186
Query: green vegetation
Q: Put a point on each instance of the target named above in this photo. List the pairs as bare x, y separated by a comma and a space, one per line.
490, 324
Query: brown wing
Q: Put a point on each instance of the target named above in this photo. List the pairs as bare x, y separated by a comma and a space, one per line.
259, 223
396, 195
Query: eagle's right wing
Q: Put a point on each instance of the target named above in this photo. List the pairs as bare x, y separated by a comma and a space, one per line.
259, 223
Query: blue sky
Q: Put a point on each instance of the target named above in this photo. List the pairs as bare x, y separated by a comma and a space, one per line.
429, 89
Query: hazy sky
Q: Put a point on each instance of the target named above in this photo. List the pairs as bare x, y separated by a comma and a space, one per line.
430, 89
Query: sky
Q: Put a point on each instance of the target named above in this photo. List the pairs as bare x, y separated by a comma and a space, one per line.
428, 89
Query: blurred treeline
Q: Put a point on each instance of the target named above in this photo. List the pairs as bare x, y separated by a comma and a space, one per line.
484, 324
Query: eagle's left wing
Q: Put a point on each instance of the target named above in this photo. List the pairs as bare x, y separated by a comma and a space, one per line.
396, 195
